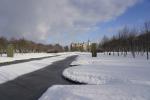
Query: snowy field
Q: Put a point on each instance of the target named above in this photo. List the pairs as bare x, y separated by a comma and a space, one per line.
109, 69
19, 56
107, 77
13, 71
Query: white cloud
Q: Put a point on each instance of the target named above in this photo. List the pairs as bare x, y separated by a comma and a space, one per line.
40, 19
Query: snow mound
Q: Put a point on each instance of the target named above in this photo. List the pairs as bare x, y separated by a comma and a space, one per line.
97, 92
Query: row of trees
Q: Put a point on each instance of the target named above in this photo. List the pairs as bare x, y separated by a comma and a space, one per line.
26, 46
128, 40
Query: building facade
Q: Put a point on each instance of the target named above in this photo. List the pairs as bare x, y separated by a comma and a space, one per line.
84, 46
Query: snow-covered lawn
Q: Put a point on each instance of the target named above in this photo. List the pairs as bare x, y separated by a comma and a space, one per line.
107, 78
19, 56
109, 70
13, 71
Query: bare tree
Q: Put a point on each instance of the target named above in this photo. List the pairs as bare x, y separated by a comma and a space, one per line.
147, 32
3, 45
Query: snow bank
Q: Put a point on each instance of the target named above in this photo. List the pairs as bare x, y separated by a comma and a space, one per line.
11, 72
19, 56
97, 92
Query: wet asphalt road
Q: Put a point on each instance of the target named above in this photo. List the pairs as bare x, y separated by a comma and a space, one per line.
31, 86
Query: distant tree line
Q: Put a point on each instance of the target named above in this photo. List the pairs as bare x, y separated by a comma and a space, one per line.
25, 46
128, 40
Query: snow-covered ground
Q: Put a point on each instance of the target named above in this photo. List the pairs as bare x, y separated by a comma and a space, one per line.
109, 70
109, 78
97, 92
19, 56
13, 71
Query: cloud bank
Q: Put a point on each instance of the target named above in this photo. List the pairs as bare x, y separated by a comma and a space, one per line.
39, 20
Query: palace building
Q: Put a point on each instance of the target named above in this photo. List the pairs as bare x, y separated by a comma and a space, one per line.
84, 46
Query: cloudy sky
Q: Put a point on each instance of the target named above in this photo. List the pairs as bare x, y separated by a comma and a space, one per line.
65, 21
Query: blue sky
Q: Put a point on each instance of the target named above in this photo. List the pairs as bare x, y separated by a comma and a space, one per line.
52, 21
133, 16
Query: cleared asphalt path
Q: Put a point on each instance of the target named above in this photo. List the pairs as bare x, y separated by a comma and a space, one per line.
31, 86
